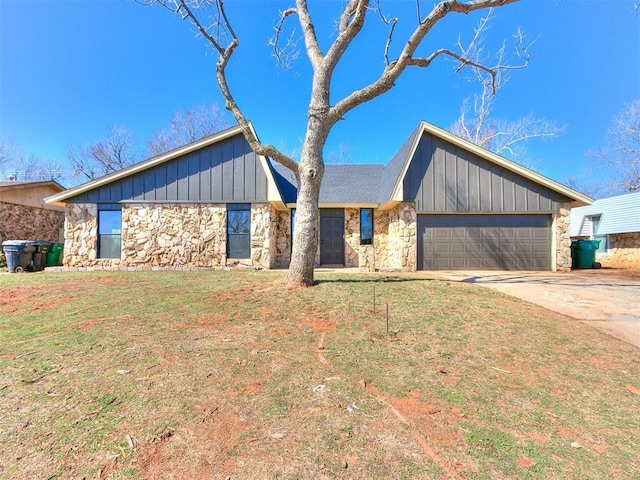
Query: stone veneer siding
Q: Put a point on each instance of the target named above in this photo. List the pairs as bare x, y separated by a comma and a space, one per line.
177, 235
624, 251
282, 243
168, 235
562, 241
21, 222
80, 236
351, 237
394, 238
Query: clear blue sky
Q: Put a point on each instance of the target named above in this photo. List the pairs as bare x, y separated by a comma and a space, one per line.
70, 69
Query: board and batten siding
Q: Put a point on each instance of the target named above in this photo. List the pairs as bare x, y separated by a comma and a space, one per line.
226, 172
445, 178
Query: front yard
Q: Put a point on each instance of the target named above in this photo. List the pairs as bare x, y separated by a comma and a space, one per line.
224, 374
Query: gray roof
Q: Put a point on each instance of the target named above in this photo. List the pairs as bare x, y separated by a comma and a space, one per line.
342, 184
393, 170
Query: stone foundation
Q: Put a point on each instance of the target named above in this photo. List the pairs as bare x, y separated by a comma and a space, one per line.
21, 222
624, 251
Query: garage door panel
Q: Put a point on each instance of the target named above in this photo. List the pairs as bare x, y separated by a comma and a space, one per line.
504, 242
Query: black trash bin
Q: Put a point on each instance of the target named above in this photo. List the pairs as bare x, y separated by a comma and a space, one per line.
19, 255
40, 255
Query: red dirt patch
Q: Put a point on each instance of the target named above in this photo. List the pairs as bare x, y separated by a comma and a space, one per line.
525, 462
252, 387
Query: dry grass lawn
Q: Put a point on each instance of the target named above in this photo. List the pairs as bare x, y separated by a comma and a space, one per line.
192, 375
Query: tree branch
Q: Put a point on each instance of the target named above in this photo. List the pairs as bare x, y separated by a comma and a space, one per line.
182, 8
309, 33
351, 23
406, 58
278, 52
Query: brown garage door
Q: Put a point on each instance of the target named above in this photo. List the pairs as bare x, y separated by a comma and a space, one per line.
484, 242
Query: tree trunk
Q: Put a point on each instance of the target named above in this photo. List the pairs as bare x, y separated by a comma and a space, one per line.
306, 231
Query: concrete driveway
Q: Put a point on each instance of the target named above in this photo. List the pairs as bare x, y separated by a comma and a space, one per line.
606, 299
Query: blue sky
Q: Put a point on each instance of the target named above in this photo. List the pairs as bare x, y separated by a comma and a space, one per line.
70, 69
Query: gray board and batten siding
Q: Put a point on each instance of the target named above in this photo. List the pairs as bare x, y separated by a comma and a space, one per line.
443, 178
225, 172
476, 214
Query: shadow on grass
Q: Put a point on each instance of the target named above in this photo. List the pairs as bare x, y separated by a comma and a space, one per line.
375, 280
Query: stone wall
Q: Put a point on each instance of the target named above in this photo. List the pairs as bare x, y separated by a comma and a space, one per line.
562, 240
381, 240
177, 235
402, 254
282, 243
624, 251
351, 237
80, 236
21, 222
261, 235
172, 235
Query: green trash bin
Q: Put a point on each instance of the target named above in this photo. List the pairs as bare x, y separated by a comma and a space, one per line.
54, 255
586, 253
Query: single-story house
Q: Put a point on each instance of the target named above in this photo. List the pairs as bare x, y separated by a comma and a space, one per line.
440, 203
24, 215
615, 221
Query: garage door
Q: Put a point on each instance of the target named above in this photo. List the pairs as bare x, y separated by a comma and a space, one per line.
484, 242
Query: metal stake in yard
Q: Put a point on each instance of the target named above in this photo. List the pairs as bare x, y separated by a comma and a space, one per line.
387, 319
374, 298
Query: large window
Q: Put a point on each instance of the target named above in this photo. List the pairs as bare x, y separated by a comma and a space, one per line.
109, 230
366, 226
239, 230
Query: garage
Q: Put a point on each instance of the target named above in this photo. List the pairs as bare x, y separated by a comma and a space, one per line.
484, 242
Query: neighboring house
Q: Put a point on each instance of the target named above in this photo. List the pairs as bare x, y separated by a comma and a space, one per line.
440, 203
24, 215
615, 221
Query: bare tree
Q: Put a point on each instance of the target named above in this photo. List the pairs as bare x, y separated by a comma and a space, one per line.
343, 154
9, 153
476, 122
621, 154
16, 166
212, 22
186, 127
114, 152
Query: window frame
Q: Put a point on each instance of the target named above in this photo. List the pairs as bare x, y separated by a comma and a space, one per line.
369, 239
105, 249
244, 236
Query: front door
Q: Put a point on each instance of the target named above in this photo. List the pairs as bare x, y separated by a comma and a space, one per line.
331, 236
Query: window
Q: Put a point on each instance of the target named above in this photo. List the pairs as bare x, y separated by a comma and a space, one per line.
366, 226
109, 230
595, 225
239, 230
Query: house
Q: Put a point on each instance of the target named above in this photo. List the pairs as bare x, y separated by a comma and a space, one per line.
24, 215
615, 221
440, 203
